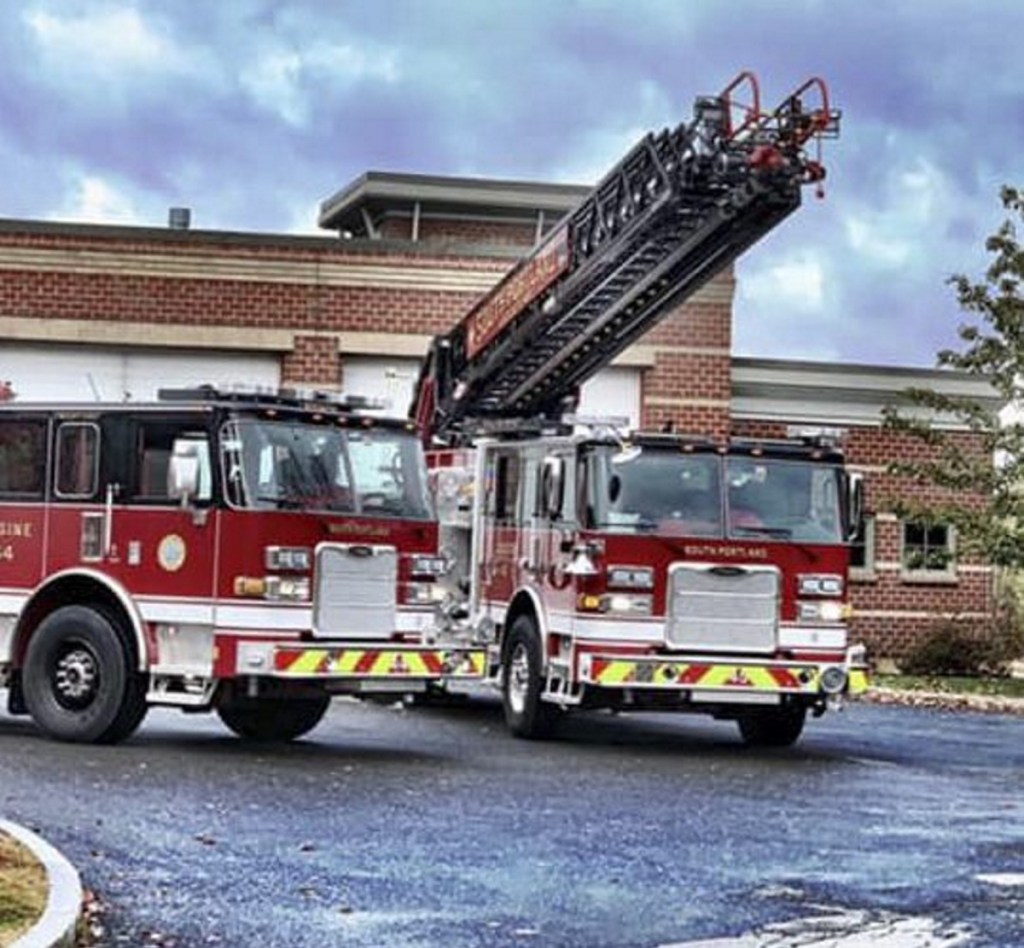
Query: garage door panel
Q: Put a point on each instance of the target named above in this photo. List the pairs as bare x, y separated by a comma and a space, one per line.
392, 381
85, 373
612, 393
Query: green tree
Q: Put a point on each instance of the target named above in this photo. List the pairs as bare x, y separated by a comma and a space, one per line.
986, 499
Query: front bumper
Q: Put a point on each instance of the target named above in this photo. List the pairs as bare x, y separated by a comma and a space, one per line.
355, 662
715, 678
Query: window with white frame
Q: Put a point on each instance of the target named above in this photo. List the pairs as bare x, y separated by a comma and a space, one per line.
928, 550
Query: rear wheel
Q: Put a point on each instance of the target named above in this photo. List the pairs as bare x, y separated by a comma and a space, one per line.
79, 680
778, 727
522, 681
273, 719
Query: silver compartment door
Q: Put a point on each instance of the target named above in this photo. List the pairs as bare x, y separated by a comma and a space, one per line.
356, 585
719, 608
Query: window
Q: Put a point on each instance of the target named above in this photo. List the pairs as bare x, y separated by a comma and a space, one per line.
154, 445
928, 551
862, 550
506, 487
77, 460
22, 457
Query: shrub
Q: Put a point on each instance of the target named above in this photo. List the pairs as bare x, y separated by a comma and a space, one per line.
948, 649
955, 647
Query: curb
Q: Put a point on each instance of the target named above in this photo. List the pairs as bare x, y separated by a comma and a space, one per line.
56, 927
944, 701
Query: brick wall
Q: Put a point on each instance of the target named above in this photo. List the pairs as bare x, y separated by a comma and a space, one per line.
315, 290
894, 609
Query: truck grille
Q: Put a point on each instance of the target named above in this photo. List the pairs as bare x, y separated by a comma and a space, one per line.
355, 591
723, 608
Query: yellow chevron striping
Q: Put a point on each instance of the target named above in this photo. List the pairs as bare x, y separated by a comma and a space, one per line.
307, 662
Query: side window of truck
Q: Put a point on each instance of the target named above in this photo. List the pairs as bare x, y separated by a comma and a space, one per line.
22, 458
507, 469
154, 444
78, 460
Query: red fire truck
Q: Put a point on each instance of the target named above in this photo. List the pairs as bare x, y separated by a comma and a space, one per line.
250, 553
643, 571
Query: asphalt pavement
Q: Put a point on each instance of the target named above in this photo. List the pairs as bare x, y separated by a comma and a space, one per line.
434, 827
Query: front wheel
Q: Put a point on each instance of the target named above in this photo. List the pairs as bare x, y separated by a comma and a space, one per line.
79, 682
522, 681
778, 727
273, 719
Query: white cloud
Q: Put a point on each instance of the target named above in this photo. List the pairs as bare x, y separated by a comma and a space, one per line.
105, 43
916, 204
93, 200
284, 79
794, 284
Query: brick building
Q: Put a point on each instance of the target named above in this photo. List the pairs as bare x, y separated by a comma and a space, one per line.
117, 312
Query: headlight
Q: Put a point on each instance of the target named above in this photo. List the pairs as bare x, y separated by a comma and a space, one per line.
814, 584
822, 611
422, 594
429, 565
631, 577
294, 588
296, 559
289, 588
623, 604
833, 679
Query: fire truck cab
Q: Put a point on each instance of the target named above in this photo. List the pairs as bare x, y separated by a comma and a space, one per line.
249, 553
657, 572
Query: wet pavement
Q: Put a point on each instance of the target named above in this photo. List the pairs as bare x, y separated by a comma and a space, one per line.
883, 826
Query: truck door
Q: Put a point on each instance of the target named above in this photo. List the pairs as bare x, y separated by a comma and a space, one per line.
112, 506
556, 527
23, 466
498, 569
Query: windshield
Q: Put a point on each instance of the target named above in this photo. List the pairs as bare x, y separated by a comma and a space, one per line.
377, 472
789, 500
666, 491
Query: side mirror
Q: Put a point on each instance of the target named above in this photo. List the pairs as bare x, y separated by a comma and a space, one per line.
183, 471
614, 488
552, 482
854, 504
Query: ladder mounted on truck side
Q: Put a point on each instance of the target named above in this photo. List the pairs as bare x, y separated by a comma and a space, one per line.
676, 210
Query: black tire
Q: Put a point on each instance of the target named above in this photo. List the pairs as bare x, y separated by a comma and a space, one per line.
80, 682
273, 719
522, 681
778, 727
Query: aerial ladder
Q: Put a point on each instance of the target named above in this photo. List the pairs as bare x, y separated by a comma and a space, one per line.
679, 208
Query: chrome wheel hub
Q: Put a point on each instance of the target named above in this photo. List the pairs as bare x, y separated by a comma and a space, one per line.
76, 677
518, 679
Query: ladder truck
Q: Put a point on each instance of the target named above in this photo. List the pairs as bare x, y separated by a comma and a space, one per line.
643, 571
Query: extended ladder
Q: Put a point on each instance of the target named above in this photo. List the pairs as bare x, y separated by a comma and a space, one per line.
679, 208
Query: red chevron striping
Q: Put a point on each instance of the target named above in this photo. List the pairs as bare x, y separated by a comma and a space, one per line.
784, 678
693, 674
366, 662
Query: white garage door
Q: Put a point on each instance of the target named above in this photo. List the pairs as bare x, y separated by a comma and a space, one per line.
94, 373
390, 380
613, 393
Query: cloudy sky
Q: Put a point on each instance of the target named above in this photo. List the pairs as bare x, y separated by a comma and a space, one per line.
253, 111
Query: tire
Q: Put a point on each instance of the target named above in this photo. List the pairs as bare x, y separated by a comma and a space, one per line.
79, 681
522, 681
779, 727
273, 719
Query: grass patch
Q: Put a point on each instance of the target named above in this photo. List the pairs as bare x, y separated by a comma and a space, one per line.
23, 890
953, 684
